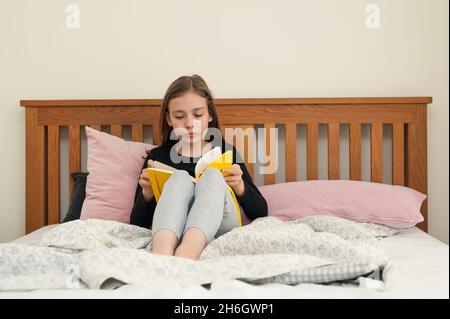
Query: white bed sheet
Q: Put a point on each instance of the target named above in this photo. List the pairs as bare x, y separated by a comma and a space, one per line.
419, 269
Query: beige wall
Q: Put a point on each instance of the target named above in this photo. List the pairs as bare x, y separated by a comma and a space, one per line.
134, 49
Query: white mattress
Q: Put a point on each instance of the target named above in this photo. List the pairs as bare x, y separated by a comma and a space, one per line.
419, 269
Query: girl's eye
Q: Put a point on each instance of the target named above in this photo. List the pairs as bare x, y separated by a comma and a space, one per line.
181, 117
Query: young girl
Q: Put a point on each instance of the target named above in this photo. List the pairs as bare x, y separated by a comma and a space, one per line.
188, 216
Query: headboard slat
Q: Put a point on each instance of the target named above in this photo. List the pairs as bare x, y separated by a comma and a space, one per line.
244, 143
312, 151
291, 149
376, 153
74, 151
137, 133
97, 127
156, 134
249, 150
333, 150
116, 130
53, 151
271, 144
355, 151
398, 154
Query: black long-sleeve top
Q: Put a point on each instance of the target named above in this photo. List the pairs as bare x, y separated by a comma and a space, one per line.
251, 201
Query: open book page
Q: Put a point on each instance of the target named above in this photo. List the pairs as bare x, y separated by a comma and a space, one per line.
214, 158
163, 166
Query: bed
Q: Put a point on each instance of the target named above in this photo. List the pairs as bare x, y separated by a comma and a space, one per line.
419, 265
419, 269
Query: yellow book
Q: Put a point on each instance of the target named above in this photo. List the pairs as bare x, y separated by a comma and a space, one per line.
159, 174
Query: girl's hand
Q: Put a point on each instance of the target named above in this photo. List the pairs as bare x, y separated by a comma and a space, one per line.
144, 182
234, 180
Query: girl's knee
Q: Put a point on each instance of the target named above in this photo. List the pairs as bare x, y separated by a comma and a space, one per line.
213, 174
181, 176
211, 171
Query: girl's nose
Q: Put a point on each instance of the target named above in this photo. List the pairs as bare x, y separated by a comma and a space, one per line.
191, 123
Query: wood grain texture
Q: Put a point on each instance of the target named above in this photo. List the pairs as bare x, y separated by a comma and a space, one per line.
398, 154
312, 151
269, 139
36, 215
237, 101
74, 152
137, 133
417, 159
155, 133
376, 153
232, 114
291, 152
250, 114
53, 156
333, 151
116, 130
97, 127
355, 151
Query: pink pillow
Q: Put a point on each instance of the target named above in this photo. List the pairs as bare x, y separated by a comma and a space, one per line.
394, 206
114, 166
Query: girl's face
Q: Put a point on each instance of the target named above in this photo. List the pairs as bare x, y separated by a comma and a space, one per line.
189, 116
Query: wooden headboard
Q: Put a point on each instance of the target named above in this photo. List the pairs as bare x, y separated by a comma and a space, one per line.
408, 117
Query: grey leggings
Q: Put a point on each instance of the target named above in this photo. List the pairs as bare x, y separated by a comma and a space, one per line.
206, 205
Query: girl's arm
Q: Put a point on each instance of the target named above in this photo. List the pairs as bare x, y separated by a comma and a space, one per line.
252, 201
142, 212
